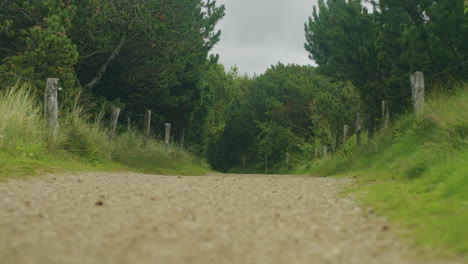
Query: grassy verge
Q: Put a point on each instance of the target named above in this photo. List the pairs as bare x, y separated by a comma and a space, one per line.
416, 174
27, 149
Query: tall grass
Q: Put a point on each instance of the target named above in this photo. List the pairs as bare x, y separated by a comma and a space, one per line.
82, 143
21, 124
416, 173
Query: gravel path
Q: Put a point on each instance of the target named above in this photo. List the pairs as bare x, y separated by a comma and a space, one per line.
137, 218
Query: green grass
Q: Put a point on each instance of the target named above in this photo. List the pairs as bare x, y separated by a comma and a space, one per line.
416, 174
82, 144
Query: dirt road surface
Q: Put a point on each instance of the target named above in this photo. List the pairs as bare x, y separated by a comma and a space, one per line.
137, 218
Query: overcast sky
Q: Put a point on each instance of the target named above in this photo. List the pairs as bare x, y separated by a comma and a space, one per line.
259, 33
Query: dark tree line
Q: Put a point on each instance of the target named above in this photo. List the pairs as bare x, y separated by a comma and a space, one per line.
365, 54
136, 54
289, 108
154, 54
378, 49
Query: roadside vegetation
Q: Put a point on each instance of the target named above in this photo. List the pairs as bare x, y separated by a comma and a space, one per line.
155, 55
82, 144
415, 173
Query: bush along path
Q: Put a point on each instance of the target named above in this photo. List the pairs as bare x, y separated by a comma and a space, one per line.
27, 146
138, 218
415, 173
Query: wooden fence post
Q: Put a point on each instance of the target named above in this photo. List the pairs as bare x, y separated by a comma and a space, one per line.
287, 159
266, 164
147, 126
51, 106
316, 153
417, 91
345, 135
334, 141
385, 114
167, 136
113, 121
358, 129
325, 150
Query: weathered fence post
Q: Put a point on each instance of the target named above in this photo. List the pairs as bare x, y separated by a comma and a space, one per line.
147, 126
417, 91
287, 159
266, 164
51, 106
325, 150
113, 121
316, 150
334, 141
167, 135
385, 114
358, 129
345, 135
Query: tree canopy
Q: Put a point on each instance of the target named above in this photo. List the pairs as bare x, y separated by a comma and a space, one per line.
142, 54
154, 55
378, 49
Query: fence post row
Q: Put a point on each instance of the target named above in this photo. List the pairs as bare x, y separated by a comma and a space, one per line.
417, 91
51, 117
113, 121
167, 136
358, 129
51, 106
385, 114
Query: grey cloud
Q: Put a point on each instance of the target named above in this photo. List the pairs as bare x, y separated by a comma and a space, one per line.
259, 33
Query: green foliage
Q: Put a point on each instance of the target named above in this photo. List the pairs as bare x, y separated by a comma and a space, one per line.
274, 140
378, 50
140, 54
162, 48
416, 173
155, 157
21, 129
35, 43
218, 91
340, 39
153, 54
289, 108
25, 148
